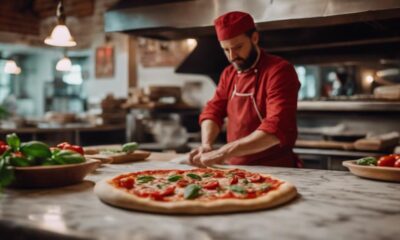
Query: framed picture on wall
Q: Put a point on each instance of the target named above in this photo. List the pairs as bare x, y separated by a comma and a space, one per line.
104, 62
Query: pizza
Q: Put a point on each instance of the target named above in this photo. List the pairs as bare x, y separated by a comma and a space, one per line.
195, 191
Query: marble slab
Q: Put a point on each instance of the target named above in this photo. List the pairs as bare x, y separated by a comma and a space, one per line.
331, 205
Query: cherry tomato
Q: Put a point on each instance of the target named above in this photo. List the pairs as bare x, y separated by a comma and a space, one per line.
159, 195
182, 183
126, 182
256, 178
227, 194
211, 185
386, 161
18, 154
218, 174
397, 163
68, 146
63, 144
397, 156
251, 193
75, 148
3, 148
234, 180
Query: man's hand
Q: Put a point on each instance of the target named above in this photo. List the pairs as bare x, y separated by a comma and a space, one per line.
214, 157
195, 154
211, 157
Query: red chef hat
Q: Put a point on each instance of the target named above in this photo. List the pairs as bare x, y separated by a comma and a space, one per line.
233, 24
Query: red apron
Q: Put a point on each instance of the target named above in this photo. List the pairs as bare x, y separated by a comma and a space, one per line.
244, 117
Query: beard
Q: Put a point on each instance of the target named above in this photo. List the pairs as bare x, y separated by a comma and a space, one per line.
242, 64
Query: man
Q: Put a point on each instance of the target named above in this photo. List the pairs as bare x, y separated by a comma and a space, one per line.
258, 94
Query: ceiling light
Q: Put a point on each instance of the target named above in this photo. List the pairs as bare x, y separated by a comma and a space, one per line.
64, 64
11, 67
60, 36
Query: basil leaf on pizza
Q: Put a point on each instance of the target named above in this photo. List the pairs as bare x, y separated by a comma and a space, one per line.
174, 178
238, 189
192, 191
145, 179
194, 176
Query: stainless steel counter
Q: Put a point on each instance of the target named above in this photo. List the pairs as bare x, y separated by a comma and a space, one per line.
331, 205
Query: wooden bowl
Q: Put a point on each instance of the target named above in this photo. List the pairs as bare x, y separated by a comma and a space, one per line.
53, 176
373, 172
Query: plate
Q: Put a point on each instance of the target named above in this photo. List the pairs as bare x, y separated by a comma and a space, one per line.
53, 176
379, 173
137, 155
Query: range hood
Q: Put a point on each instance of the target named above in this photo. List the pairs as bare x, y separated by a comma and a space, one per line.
303, 31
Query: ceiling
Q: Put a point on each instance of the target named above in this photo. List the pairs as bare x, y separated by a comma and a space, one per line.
24, 16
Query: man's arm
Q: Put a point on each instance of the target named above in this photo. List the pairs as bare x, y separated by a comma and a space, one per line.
255, 142
209, 132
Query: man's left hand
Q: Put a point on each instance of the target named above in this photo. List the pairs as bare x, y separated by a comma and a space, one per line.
214, 157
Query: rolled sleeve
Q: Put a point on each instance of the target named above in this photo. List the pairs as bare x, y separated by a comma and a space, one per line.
216, 108
281, 106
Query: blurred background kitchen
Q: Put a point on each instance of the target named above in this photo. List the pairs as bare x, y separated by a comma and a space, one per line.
98, 72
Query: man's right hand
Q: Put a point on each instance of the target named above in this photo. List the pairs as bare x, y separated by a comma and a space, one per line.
195, 154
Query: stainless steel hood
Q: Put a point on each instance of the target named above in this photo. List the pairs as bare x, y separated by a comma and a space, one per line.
184, 18
302, 31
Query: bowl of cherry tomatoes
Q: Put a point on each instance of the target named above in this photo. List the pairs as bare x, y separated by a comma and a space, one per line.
386, 168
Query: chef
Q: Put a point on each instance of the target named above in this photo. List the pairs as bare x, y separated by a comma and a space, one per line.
257, 93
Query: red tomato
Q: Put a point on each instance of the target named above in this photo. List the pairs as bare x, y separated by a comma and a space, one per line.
386, 161
68, 146
2, 143
240, 174
3, 148
63, 144
182, 183
159, 195
126, 182
227, 194
397, 156
256, 178
251, 193
218, 174
211, 185
234, 180
397, 163
75, 148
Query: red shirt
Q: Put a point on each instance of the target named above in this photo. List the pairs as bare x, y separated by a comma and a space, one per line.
275, 95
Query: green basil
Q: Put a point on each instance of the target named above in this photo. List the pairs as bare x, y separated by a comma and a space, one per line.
207, 175
19, 162
6, 174
367, 161
238, 189
145, 179
192, 191
35, 149
13, 141
174, 178
67, 157
194, 176
130, 147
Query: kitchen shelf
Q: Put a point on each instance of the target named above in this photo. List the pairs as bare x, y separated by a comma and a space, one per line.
349, 106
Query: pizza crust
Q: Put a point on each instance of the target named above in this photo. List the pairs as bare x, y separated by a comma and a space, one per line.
119, 198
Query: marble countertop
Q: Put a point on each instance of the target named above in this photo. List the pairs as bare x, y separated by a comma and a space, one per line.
331, 205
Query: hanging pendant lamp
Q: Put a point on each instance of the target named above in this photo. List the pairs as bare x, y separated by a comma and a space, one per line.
60, 36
